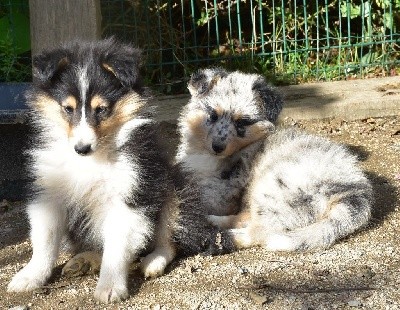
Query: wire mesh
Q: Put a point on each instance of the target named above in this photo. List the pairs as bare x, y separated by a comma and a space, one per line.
288, 41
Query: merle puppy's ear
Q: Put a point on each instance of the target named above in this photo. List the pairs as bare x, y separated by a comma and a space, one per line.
270, 98
123, 61
48, 65
204, 80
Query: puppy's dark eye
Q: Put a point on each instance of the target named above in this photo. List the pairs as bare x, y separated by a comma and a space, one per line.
243, 122
68, 109
213, 115
101, 110
241, 125
240, 131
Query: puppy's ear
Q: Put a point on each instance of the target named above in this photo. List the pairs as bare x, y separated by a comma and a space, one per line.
123, 61
47, 65
270, 99
204, 80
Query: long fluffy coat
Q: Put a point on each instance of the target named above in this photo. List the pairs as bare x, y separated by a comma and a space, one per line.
283, 190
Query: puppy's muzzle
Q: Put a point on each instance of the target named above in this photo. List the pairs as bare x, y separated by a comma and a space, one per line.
218, 147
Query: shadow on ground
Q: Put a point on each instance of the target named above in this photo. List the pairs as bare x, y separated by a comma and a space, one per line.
385, 198
325, 286
385, 194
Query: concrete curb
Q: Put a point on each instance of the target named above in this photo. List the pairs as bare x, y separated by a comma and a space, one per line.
353, 99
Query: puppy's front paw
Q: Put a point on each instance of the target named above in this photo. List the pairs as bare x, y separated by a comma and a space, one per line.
153, 265
110, 293
82, 264
28, 279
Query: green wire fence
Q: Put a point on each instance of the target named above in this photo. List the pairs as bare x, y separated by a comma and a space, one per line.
290, 41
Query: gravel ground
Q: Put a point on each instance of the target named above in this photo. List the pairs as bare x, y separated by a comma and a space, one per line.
361, 271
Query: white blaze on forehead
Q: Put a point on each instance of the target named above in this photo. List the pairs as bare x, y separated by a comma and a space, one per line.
83, 133
83, 78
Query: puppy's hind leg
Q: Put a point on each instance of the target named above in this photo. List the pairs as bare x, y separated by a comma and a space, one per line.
240, 220
242, 237
48, 224
154, 264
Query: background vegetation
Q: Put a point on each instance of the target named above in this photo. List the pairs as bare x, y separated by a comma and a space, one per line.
289, 41
15, 58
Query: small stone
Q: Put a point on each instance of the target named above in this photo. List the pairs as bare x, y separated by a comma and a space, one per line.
155, 307
321, 273
259, 299
194, 269
42, 291
19, 308
354, 303
72, 291
244, 270
366, 272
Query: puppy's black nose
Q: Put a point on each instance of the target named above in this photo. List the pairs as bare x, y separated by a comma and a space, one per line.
218, 147
83, 149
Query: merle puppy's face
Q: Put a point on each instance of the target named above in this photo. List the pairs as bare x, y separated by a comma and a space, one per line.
229, 111
88, 89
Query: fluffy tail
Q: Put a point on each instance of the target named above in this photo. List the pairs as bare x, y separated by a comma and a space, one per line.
342, 218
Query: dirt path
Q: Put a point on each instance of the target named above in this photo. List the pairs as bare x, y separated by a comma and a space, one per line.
361, 271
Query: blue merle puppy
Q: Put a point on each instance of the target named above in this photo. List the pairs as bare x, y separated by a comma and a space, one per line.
279, 189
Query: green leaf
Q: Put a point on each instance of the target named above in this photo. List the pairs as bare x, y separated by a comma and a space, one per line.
349, 10
388, 20
368, 58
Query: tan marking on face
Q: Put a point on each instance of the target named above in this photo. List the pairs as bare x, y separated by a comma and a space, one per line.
219, 110
108, 68
70, 101
51, 110
62, 63
124, 110
98, 102
254, 133
237, 116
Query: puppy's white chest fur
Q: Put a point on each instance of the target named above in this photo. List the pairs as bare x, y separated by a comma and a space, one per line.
204, 164
83, 179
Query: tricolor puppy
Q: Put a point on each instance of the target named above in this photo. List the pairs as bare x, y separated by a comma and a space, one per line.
101, 179
283, 190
